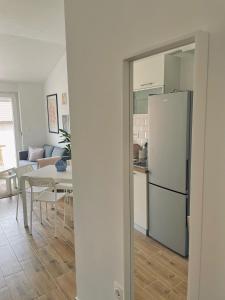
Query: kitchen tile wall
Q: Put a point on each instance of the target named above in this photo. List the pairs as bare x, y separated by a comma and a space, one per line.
140, 129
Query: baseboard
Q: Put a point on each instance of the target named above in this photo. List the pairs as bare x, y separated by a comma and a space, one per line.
141, 229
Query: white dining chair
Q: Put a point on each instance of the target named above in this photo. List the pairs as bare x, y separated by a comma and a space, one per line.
50, 195
9, 177
68, 199
20, 171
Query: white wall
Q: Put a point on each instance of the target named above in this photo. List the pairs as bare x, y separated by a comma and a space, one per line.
30, 97
56, 83
32, 113
96, 48
140, 129
186, 71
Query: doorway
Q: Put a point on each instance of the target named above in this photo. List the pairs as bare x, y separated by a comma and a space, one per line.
9, 132
197, 162
162, 125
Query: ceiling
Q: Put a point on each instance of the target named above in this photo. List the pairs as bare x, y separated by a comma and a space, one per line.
32, 38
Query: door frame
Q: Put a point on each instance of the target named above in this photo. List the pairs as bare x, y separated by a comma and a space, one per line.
200, 39
16, 120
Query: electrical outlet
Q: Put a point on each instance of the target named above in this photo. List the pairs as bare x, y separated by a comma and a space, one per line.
118, 291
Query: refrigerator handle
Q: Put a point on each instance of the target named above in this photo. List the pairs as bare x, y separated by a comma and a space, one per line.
186, 212
187, 175
187, 190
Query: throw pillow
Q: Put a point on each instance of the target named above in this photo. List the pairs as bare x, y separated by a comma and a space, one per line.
58, 151
35, 153
48, 150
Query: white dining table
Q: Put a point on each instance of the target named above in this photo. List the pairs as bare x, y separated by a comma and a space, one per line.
45, 172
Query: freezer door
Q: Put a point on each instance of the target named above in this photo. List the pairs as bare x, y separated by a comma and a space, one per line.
167, 219
169, 137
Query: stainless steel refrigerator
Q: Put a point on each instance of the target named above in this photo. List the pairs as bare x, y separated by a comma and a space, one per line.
169, 165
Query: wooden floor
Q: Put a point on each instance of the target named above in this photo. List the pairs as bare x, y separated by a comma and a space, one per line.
159, 273
34, 267
42, 267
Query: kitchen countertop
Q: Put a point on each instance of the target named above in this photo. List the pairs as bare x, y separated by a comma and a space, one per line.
140, 169
140, 166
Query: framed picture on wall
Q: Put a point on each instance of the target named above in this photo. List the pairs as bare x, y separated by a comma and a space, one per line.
66, 123
64, 99
53, 116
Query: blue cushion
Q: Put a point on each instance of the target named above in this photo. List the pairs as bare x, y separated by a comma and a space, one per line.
58, 151
23, 155
48, 150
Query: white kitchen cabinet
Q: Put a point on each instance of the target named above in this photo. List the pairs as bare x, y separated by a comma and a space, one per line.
162, 70
140, 201
148, 72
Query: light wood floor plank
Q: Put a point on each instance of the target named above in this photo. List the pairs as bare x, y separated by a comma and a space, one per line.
20, 287
30, 266
159, 273
41, 267
66, 284
5, 294
52, 295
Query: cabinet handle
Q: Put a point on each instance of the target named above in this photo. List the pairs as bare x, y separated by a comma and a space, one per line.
149, 83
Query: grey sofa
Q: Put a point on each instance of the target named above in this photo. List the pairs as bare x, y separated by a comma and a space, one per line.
49, 151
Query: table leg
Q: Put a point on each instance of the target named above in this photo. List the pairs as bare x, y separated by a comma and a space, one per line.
1, 157
24, 200
14, 182
8, 186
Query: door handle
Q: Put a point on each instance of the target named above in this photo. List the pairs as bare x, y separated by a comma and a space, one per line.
149, 83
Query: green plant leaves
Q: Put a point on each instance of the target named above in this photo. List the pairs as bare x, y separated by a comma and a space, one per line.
66, 139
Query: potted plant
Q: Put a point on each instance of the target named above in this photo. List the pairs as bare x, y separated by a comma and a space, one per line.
66, 139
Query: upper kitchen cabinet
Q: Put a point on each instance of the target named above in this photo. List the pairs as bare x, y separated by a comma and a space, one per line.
161, 70
140, 98
140, 104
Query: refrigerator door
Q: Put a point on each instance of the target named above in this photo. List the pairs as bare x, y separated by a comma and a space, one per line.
167, 219
168, 150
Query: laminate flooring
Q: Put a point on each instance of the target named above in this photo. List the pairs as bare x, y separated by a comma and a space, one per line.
40, 266
159, 273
